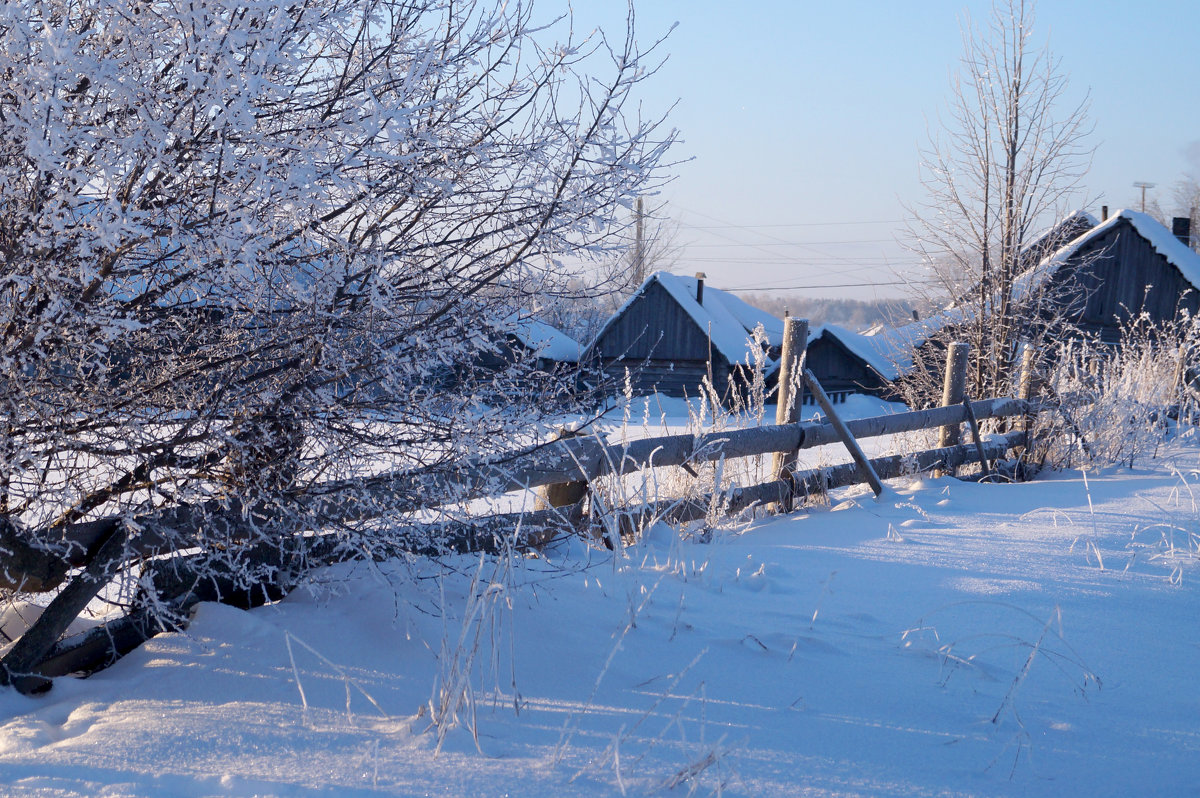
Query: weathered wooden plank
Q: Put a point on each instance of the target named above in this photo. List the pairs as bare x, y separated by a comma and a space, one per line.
576, 459
789, 398
973, 423
848, 440
820, 435
821, 480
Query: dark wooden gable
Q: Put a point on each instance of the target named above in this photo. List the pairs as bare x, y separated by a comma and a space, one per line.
837, 368
1121, 275
655, 327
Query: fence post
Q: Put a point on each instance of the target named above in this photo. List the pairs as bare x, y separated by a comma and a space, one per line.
560, 494
954, 389
790, 399
1025, 394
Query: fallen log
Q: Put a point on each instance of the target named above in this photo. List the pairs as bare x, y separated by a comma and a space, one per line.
28, 567
18, 666
250, 577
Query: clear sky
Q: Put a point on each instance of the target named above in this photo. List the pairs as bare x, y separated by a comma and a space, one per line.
803, 121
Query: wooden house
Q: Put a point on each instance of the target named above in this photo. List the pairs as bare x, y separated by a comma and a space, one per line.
521, 337
1126, 266
847, 362
674, 330
1107, 274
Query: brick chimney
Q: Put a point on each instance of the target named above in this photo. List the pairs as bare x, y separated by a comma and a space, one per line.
700, 287
1181, 228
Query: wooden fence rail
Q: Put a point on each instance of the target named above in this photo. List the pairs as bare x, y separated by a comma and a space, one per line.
289, 530
567, 460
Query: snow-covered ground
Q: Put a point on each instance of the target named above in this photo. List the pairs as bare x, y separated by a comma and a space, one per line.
947, 638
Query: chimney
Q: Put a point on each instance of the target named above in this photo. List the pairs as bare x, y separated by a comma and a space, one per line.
916, 315
700, 287
1104, 213
1181, 228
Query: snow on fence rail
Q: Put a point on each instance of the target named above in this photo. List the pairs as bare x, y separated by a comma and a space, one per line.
288, 544
567, 460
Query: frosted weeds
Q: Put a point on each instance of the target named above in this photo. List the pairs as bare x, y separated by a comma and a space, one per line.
810, 652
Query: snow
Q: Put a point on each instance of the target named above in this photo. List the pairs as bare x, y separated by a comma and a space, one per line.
889, 350
948, 638
726, 319
1175, 251
547, 341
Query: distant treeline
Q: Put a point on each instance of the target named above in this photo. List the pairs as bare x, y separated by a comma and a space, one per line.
856, 314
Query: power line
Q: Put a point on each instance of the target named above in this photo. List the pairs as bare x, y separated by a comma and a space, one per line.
725, 223
794, 243
731, 226
813, 261
831, 285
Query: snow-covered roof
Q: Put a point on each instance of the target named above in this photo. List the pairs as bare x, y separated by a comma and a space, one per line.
547, 341
889, 350
1178, 254
1160, 238
1059, 234
727, 320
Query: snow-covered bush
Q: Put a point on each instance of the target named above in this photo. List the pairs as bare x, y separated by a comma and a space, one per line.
254, 251
1116, 404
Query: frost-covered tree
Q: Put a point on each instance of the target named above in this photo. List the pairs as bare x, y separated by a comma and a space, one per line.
1007, 165
255, 250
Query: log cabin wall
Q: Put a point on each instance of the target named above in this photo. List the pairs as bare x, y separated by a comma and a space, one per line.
1122, 276
674, 378
840, 370
661, 345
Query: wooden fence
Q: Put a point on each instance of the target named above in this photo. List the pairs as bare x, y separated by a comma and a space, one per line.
563, 469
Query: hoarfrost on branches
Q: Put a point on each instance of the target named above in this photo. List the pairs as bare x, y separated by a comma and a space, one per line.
254, 250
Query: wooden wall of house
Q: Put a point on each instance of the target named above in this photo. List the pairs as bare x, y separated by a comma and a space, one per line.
838, 369
654, 325
661, 344
1122, 276
670, 378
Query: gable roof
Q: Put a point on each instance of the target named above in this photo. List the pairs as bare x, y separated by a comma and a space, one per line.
725, 319
546, 341
889, 351
1058, 235
1176, 253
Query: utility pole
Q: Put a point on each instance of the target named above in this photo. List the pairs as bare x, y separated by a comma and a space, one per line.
639, 244
1143, 186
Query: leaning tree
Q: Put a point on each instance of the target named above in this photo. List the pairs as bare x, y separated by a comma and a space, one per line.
1008, 163
255, 253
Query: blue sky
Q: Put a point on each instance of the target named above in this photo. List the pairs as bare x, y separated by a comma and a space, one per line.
803, 122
